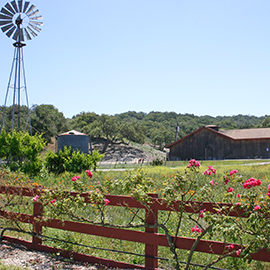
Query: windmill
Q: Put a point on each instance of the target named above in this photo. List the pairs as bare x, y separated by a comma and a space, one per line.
19, 20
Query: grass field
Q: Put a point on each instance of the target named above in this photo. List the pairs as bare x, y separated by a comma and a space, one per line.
259, 169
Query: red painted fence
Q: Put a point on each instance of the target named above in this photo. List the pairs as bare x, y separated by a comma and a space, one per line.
150, 238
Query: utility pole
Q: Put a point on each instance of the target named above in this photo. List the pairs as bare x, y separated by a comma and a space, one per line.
177, 130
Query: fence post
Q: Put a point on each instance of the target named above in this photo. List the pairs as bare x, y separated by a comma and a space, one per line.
38, 209
151, 216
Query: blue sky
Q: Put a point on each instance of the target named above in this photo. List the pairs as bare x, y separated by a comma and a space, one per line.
204, 57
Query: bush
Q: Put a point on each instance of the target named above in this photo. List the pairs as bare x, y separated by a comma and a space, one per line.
157, 162
21, 151
71, 161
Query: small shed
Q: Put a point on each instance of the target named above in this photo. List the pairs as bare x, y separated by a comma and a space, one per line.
75, 139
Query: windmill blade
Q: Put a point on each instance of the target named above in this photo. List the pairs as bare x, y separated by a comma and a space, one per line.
30, 9
37, 23
26, 4
9, 7
31, 31
27, 34
13, 3
33, 13
5, 17
10, 32
5, 22
37, 18
36, 28
7, 27
20, 2
3, 10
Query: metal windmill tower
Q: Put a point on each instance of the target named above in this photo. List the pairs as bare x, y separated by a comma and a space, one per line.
19, 21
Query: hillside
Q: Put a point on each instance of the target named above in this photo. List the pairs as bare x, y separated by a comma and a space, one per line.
121, 153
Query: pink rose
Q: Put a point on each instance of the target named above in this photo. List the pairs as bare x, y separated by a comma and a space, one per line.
238, 195
196, 229
74, 178
230, 246
106, 201
35, 198
233, 172
230, 189
193, 163
268, 187
53, 201
257, 207
238, 252
252, 182
89, 173
201, 215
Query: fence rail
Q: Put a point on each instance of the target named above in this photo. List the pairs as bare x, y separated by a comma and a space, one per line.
150, 237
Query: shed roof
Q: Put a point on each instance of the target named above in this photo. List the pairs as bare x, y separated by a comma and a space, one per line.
72, 132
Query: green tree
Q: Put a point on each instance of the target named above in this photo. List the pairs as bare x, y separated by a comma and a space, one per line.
22, 151
48, 121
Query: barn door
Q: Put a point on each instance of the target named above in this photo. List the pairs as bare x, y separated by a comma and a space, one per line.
208, 153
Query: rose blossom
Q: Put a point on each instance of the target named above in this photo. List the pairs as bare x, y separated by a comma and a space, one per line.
233, 172
35, 198
230, 189
238, 251
106, 201
252, 182
196, 229
230, 246
53, 201
193, 163
257, 207
89, 173
74, 178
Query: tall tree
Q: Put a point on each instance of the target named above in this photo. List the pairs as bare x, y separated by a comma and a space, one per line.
48, 121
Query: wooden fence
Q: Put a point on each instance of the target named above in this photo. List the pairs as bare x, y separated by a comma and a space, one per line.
150, 238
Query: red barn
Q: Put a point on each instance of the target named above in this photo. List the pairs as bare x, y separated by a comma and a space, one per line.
211, 143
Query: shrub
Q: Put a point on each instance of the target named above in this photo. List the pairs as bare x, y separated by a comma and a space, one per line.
157, 162
21, 151
71, 161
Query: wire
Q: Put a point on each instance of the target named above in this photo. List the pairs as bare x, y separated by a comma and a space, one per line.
98, 248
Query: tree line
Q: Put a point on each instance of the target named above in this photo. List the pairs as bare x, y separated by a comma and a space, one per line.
156, 128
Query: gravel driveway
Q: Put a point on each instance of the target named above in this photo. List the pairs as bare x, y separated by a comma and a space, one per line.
13, 254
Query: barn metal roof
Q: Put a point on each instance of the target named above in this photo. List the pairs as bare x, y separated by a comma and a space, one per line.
234, 134
245, 134
72, 132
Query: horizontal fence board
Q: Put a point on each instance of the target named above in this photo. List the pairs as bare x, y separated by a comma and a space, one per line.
127, 201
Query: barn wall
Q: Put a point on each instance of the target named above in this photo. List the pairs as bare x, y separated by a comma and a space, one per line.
207, 144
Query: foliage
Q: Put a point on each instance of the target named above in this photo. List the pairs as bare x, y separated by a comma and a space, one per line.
158, 128
71, 161
48, 121
241, 235
157, 162
21, 151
